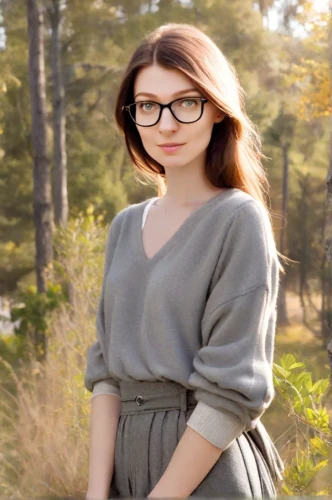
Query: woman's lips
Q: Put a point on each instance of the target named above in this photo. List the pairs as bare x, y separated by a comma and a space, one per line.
171, 149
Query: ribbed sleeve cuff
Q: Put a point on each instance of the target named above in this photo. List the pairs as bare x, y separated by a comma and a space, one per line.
220, 427
104, 387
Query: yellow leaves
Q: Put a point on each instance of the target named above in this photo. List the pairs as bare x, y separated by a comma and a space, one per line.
311, 78
319, 446
322, 493
287, 490
314, 19
9, 246
8, 79
90, 211
300, 473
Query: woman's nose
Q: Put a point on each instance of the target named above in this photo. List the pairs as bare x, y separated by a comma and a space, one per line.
167, 120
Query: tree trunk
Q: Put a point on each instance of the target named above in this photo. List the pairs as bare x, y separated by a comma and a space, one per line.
325, 277
59, 120
303, 266
328, 225
41, 174
328, 252
282, 318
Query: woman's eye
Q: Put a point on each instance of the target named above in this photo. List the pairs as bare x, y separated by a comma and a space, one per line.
146, 106
192, 102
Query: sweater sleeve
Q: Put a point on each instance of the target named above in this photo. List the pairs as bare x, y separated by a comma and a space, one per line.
233, 377
97, 378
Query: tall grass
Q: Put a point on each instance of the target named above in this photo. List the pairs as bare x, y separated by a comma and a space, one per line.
45, 408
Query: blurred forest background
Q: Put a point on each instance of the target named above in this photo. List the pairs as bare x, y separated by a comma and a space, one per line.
65, 173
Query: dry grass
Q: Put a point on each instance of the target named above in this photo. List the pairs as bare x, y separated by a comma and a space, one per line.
45, 409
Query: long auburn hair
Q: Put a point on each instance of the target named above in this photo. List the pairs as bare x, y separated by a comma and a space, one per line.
234, 153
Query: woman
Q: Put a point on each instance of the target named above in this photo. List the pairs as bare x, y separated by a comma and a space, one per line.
181, 370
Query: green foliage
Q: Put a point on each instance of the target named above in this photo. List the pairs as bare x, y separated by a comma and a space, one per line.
79, 250
33, 311
12, 348
304, 401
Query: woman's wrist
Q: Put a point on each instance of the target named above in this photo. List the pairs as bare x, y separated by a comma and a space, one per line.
96, 495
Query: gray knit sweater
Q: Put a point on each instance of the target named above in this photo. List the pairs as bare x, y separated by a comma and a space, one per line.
201, 312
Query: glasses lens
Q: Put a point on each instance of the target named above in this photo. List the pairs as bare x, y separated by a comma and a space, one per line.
146, 113
187, 110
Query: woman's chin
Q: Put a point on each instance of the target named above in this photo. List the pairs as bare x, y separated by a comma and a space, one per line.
172, 160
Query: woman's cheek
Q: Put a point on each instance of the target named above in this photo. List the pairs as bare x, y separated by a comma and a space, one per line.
151, 149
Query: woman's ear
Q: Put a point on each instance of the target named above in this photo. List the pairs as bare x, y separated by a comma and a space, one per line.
220, 116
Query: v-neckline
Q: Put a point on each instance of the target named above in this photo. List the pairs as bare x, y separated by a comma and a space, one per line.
173, 239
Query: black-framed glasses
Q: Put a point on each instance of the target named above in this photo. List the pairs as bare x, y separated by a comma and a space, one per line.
184, 110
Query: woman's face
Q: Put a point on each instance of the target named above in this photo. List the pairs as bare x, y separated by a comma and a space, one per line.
164, 85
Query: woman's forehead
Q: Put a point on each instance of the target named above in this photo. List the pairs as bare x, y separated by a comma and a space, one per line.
161, 82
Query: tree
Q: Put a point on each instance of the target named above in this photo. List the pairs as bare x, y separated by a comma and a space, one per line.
280, 134
43, 214
59, 118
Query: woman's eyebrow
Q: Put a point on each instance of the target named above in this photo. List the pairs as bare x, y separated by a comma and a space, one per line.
174, 95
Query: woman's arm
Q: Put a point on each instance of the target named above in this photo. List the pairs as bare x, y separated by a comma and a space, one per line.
105, 413
192, 459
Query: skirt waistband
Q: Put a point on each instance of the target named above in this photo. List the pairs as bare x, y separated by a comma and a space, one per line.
140, 396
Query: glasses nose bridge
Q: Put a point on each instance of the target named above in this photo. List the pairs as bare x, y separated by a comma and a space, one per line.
162, 108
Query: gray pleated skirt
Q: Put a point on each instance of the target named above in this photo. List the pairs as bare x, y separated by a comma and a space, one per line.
152, 420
